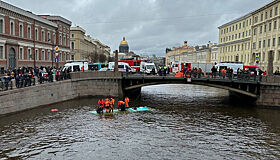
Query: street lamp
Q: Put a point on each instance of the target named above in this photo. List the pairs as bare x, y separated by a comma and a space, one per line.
52, 50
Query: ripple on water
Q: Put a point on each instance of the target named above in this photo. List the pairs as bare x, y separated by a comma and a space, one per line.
186, 122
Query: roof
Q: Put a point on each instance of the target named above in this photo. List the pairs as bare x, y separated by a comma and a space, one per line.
28, 14
236, 20
57, 18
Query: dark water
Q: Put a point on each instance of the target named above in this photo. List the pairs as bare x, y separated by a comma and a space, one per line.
186, 122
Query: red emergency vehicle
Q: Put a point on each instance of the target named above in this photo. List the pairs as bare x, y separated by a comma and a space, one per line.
133, 64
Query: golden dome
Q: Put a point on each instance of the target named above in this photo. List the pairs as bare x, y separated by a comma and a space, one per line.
124, 42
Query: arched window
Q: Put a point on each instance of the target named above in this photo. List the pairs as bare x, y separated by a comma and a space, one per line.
72, 45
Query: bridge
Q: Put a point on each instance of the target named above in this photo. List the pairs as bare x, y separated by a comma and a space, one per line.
249, 87
116, 84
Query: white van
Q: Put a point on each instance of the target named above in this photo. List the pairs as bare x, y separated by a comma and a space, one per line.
233, 66
76, 66
147, 67
122, 67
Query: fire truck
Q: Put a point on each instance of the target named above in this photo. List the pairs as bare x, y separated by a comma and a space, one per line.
133, 63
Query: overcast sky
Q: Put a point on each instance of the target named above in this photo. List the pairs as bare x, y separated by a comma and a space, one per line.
149, 26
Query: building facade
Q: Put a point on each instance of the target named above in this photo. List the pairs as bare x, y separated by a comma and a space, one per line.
84, 47
254, 35
266, 34
235, 40
27, 39
175, 54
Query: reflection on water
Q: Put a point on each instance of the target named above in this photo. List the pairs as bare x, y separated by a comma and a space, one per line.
186, 122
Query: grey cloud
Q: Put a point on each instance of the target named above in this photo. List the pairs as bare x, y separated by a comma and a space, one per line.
148, 25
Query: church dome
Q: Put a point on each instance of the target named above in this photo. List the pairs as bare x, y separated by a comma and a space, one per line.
124, 48
124, 42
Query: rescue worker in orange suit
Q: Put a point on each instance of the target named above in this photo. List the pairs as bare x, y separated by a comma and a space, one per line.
107, 105
121, 105
100, 106
126, 100
112, 102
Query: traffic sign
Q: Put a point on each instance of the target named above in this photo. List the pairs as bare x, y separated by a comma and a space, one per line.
56, 59
257, 62
56, 48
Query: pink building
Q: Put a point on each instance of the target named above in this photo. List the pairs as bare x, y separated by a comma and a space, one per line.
29, 40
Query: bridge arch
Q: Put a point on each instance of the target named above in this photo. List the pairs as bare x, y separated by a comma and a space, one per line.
246, 92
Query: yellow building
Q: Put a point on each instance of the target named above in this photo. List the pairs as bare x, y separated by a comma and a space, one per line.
86, 48
266, 34
235, 40
175, 54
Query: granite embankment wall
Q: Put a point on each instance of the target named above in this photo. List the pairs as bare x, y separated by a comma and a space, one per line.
81, 85
269, 92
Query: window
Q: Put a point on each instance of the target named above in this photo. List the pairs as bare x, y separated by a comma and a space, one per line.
229, 29
64, 40
243, 34
265, 15
49, 55
244, 24
260, 44
261, 29
72, 45
49, 37
275, 25
255, 31
29, 32
54, 38
20, 30
36, 34
268, 43
236, 27
239, 25
262, 17
21, 53
60, 40
270, 13
43, 55
263, 43
36, 54
43, 35
235, 36
264, 28
233, 28
273, 41
2, 26
247, 22
73, 34
269, 27
12, 28
256, 19
72, 57
276, 11
1, 52
239, 35
29, 54
250, 21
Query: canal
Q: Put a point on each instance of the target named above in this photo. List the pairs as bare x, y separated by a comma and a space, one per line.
186, 122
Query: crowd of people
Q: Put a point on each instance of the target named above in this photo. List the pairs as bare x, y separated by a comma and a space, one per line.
25, 76
107, 105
